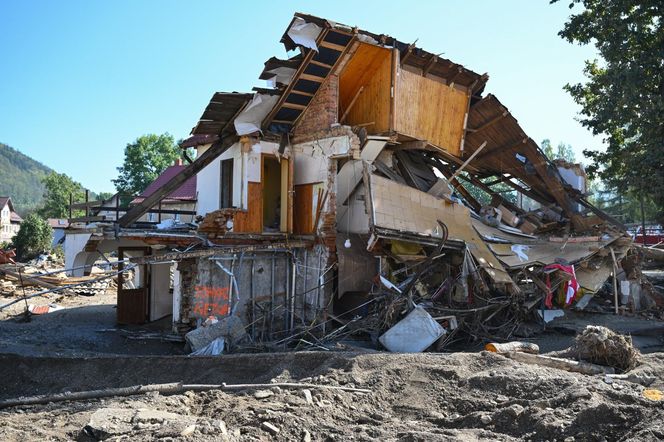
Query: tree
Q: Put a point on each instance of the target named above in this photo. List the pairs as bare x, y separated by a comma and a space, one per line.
563, 151
58, 188
34, 237
623, 98
144, 160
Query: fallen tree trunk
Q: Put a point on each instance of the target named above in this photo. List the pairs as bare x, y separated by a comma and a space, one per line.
525, 347
560, 363
172, 388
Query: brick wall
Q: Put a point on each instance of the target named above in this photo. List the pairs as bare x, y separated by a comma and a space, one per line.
323, 110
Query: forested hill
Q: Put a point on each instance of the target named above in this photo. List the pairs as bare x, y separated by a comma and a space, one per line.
20, 178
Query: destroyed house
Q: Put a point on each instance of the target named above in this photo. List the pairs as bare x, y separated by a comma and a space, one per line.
366, 174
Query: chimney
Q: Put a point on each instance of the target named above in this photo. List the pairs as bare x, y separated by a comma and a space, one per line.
178, 162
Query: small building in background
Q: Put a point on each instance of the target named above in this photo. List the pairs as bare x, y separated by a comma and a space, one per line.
10, 221
58, 225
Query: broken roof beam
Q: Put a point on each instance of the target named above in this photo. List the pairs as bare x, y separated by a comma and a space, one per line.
174, 183
490, 123
503, 148
485, 187
470, 199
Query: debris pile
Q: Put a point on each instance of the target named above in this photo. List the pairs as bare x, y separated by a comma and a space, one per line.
600, 345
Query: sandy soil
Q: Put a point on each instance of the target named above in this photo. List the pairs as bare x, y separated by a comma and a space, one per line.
418, 397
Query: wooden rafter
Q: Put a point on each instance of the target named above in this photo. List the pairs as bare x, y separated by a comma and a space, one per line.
504, 148
490, 122
431, 63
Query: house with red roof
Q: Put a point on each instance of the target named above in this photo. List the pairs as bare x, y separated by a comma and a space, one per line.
181, 199
10, 221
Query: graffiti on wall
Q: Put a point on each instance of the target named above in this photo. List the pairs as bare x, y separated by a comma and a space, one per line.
210, 301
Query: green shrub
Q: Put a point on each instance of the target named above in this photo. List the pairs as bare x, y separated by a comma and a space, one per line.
34, 237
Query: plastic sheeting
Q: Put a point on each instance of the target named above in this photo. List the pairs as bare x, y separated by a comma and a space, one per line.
304, 34
250, 119
214, 348
282, 75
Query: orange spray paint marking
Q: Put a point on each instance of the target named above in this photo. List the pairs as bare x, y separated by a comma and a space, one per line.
210, 301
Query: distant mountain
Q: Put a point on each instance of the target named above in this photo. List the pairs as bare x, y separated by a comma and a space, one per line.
20, 178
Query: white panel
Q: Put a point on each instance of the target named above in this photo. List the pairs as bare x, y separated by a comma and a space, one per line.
161, 300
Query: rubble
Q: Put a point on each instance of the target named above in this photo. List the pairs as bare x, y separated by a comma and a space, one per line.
602, 346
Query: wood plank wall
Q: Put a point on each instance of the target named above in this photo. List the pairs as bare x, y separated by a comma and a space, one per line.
370, 67
251, 220
303, 222
429, 110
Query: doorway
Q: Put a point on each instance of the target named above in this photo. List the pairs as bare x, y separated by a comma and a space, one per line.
133, 287
271, 182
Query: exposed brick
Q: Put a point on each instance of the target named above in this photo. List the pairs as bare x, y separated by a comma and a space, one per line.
323, 111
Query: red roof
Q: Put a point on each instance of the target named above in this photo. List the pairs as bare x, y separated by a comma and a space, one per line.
15, 218
186, 192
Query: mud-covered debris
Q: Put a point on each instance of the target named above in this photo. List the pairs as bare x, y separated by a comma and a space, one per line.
600, 345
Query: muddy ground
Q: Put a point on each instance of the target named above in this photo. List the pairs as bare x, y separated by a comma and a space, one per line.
414, 397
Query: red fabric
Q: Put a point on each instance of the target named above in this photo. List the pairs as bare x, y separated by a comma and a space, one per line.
571, 287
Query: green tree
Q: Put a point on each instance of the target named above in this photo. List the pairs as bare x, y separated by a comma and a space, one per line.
58, 188
144, 160
563, 151
623, 99
34, 237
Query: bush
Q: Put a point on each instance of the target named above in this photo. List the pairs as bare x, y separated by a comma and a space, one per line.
34, 237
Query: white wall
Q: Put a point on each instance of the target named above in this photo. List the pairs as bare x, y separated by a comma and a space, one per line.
74, 245
208, 179
312, 158
161, 300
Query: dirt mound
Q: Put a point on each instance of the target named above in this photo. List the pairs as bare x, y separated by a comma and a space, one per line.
600, 345
414, 397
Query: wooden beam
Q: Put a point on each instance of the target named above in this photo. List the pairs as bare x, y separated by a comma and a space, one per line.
530, 193
506, 147
295, 106
499, 180
485, 187
87, 219
459, 71
463, 166
411, 145
490, 123
350, 106
476, 205
408, 53
321, 64
306, 94
431, 63
208, 156
289, 88
86, 204
310, 77
334, 47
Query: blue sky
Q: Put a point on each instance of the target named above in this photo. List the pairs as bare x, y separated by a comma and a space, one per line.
81, 79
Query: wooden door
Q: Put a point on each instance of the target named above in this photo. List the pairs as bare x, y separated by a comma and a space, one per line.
133, 294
